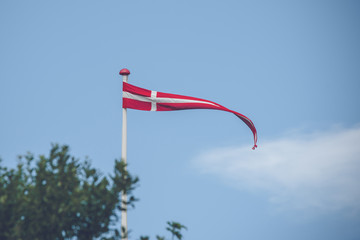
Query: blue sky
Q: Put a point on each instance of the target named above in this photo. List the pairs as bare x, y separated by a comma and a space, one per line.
293, 67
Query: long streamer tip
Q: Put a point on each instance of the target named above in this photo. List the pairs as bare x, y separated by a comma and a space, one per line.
255, 146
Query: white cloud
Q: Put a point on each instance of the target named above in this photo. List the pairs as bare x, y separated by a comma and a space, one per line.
315, 171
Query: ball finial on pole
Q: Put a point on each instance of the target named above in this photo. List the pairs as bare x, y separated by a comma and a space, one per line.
124, 71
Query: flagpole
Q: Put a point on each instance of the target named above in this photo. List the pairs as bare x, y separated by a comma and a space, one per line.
125, 74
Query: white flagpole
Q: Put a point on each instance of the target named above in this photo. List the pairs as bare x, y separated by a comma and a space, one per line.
124, 73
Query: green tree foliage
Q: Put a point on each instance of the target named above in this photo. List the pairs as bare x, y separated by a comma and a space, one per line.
175, 229
57, 197
144, 238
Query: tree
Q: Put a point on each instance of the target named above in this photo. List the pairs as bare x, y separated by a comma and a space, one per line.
57, 197
175, 229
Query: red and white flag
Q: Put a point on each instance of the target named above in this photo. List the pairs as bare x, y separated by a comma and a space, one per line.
142, 99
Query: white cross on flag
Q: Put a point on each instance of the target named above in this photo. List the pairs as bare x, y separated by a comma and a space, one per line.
142, 99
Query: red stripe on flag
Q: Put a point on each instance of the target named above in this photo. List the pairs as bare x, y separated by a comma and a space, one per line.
134, 104
136, 90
